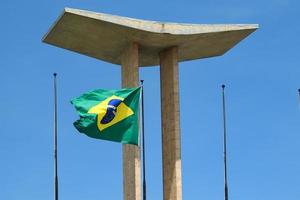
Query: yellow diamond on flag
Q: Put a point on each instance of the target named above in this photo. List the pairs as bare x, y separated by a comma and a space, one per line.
120, 112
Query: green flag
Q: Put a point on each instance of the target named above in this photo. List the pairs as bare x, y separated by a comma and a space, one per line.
109, 114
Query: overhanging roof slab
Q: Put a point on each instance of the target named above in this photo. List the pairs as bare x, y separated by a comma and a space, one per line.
105, 37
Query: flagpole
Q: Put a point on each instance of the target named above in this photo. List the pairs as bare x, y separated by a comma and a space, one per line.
55, 140
299, 96
143, 143
225, 144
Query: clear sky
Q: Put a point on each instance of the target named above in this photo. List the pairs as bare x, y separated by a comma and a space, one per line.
262, 78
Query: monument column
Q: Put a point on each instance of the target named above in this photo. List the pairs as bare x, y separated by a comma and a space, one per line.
171, 147
131, 153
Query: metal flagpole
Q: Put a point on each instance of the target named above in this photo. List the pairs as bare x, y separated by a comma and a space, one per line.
143, 144
299, 97
225, 143
55, 141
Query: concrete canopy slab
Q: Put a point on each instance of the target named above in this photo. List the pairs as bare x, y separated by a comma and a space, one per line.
105, 37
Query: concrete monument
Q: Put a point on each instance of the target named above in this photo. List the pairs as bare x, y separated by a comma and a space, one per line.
134, 43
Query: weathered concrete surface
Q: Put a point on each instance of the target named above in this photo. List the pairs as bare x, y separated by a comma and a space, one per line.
172, 181
131, 153
105, 37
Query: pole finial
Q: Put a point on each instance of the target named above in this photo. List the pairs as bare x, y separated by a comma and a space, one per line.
299, 90
223, 86
54, 74
142, 81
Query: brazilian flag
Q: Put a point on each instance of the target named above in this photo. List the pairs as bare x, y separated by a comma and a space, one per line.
109, 114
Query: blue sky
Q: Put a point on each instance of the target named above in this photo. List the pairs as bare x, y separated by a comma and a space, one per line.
262, 78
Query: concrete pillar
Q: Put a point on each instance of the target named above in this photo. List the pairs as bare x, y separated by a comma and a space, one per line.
171, 147
131, 153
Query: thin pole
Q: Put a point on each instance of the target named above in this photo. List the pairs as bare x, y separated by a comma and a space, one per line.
299, 97
55, 141
143, 143
225, 144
